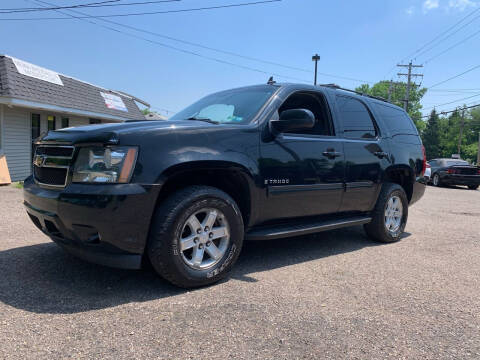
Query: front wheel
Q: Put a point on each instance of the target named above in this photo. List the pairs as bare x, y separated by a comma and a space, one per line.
473, 187
390, 214
196, 236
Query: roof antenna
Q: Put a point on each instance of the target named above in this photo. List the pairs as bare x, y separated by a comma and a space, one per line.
271, 81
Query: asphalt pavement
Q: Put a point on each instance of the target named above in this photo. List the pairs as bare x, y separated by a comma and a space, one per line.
334, 295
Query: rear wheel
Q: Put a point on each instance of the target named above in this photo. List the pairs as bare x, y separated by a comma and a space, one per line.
473, 187
390, 214
196, 236
436, 180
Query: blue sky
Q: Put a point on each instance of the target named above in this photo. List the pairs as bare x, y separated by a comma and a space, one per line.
356, 39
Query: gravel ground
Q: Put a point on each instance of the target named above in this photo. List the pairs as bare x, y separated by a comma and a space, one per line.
333, 295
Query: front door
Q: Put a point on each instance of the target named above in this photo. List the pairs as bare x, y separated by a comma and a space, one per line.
303, 172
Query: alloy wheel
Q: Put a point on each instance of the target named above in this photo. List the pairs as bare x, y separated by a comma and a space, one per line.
393, 214
204, 239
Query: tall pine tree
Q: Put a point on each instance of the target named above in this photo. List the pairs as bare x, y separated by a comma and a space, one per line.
431, 136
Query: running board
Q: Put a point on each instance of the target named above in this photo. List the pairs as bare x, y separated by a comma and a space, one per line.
288, 230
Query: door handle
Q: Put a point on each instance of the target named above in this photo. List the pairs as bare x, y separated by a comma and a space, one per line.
331, 154
380, 154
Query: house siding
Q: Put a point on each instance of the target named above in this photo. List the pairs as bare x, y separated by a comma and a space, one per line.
17, 142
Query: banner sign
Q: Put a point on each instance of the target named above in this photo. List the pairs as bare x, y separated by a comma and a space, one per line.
37, 72
114, 102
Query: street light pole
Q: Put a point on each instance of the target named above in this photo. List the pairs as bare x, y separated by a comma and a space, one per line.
315, 58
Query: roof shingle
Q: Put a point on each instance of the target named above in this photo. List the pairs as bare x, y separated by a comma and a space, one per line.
73, 94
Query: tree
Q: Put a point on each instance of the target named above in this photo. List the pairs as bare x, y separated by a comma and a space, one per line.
431, 136
381, 89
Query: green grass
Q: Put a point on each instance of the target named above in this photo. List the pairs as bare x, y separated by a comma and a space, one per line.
18, 184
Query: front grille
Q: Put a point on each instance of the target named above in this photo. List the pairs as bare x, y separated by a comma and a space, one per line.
51, 164
50, 176
65, 151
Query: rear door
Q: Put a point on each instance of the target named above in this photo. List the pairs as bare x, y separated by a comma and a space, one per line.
366, 153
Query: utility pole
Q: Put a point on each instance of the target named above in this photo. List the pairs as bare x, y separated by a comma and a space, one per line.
315, 58
462, 124
409, 76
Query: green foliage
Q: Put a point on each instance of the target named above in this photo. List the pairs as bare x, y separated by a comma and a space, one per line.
432, 136
440, 134
398, 90
449, 133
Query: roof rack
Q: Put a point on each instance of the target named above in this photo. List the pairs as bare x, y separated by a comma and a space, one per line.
335, 86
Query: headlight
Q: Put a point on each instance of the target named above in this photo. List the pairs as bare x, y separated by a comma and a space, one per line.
105, 164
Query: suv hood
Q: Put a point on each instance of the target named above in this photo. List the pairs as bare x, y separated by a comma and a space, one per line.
109, 133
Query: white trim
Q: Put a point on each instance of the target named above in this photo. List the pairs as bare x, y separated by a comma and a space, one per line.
39, 106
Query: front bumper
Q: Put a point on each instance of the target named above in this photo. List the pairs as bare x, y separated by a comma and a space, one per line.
105, 224
454, 179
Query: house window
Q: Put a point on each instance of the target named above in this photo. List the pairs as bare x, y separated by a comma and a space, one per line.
95, 121
51, 122
65, 122
35, 126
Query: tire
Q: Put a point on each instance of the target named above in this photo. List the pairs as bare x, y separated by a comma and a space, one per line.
436, 180
377, 228
473, 187
174, 220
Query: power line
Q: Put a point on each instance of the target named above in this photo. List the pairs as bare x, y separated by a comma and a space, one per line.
447, 37
451, 47
147, 13
230, 53
441, 34
451, 111
176, 48
456, 90
434, 39
451, 102
454, 77
107, 3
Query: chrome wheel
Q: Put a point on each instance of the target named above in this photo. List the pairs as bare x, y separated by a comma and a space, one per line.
393, 214
205, 238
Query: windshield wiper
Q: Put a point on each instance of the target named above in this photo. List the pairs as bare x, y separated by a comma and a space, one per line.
204, 119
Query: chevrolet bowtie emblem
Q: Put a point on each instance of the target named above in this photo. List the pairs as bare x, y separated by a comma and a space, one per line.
39, 160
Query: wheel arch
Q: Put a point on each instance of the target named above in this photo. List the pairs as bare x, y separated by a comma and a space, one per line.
402, 175
232, 178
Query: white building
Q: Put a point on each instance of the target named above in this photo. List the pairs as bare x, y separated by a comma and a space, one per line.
34, 100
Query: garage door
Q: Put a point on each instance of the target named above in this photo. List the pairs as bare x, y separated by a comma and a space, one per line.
17, 146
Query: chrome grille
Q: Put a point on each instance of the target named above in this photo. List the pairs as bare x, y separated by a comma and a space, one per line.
51, 164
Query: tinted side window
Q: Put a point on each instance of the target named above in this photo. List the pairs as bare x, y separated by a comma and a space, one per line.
396, 120
357, 122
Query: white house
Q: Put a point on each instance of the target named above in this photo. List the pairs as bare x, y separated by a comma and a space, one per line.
34, 100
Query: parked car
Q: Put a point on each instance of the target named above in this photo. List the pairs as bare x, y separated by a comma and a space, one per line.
428, 173
454, 172
260, 162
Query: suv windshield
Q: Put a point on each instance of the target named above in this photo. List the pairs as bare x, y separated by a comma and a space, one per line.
237, 106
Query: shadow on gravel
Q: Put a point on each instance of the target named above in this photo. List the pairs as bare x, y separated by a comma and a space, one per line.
44, 279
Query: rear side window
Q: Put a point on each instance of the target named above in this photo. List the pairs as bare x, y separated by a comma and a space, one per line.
357, 122
396, 120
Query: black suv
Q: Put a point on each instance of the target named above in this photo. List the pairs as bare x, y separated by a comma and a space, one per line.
259, 162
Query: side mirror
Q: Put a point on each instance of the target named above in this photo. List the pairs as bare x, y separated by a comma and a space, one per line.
294, 119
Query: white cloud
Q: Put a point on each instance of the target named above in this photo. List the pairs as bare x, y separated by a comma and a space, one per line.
410, 11
461, 4
430, 5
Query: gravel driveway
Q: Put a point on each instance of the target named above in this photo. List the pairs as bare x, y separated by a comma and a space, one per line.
332, 295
